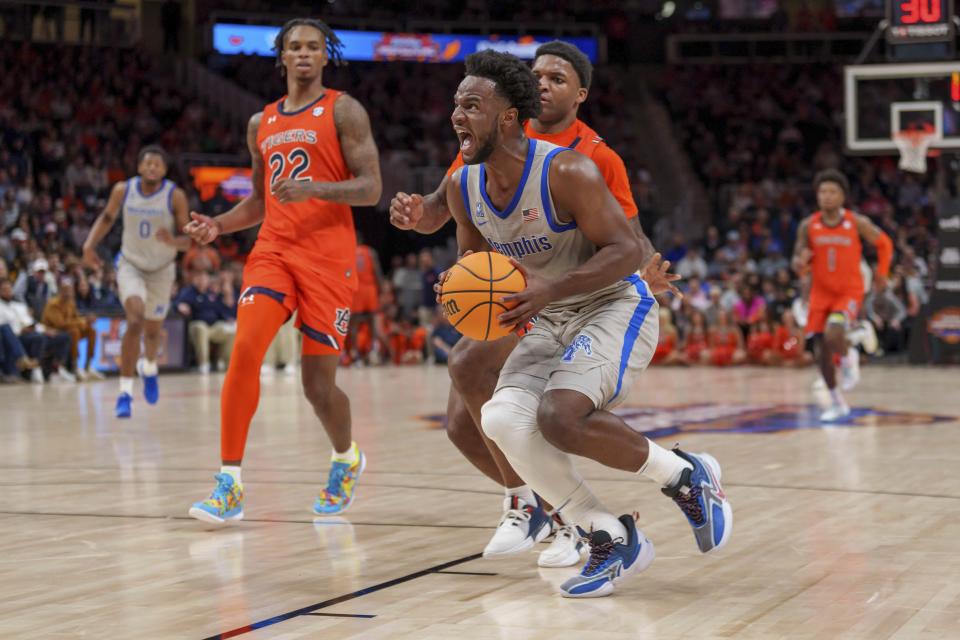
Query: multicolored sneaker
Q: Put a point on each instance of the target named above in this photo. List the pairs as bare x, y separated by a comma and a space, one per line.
701, 498
610, 562
521, 527
341, 487
151, 388
225, 502
124, 405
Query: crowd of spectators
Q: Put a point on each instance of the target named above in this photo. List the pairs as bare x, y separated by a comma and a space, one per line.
756, 135
73, 119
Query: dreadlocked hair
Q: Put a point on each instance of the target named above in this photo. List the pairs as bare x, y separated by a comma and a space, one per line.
334, 44
513, 78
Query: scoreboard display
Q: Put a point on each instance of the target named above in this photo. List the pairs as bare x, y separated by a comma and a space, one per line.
919, 21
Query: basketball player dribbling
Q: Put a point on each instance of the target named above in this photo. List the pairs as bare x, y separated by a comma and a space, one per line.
596, 324
153, 208
564, 74
318, 148
828, 246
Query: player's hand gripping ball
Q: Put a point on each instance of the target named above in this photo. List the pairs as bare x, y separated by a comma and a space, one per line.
472, 291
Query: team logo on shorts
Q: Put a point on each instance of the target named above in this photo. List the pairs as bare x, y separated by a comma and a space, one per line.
246, 297
342, 323
580, 343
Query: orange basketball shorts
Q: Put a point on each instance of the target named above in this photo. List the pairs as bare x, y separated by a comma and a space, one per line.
824, 303
320, 296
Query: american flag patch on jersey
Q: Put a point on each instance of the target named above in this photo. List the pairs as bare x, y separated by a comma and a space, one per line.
529, 215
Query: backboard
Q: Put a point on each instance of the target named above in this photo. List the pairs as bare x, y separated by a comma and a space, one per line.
881, 100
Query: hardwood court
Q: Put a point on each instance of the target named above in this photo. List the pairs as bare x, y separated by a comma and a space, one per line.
840, 532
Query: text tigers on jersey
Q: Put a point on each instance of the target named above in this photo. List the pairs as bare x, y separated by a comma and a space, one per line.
291, 135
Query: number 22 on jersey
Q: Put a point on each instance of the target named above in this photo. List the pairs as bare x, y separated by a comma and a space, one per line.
297, 161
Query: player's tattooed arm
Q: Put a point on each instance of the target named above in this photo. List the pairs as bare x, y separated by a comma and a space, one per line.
359, 152
801, 250
248, 212
102, 225
423, 214
181, 214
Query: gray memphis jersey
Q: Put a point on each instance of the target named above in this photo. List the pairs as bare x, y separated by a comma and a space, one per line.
142, 217
528, 230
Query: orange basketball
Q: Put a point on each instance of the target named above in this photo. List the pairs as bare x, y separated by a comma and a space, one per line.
473, 290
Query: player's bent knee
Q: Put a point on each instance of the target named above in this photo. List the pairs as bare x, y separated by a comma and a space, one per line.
510, 411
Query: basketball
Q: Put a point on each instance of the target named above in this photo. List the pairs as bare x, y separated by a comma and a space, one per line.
472, 293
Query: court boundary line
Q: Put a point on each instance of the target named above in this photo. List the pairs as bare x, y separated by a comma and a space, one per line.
310, 609
135, 516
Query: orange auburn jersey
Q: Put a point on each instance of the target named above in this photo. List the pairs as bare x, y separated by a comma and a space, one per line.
579, 137
304, 145
837, 252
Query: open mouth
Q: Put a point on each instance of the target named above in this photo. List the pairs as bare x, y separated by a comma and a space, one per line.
466, 140
303, 65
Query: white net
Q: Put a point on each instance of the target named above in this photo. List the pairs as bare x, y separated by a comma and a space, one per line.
913, 146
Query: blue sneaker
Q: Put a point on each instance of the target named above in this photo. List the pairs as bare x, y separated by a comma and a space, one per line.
521, 527
151, 387
610, 562
225, 502
341, 487
124, 405
701, 498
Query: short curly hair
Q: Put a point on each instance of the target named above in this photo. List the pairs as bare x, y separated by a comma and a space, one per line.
834, 176
577, 59
514, 79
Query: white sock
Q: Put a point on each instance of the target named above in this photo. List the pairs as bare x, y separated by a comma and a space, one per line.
149, 367
126, 385
523, 492
585, 509
836, 398
234, 472
350, 456
663, 466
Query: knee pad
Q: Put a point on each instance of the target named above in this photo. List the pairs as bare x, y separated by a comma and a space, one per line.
509, 410
837, 317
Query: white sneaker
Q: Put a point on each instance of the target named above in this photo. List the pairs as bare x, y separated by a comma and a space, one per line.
81, 375
204, 368
850, 369
521, 527
93, 374
289, 369
36, 376
864, 335
267, 370
564, 551
836, 411
65, 375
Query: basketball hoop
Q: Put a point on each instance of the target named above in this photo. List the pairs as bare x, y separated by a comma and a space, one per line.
914, 145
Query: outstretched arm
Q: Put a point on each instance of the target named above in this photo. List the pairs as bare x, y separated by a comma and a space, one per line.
359, 152
248, 212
